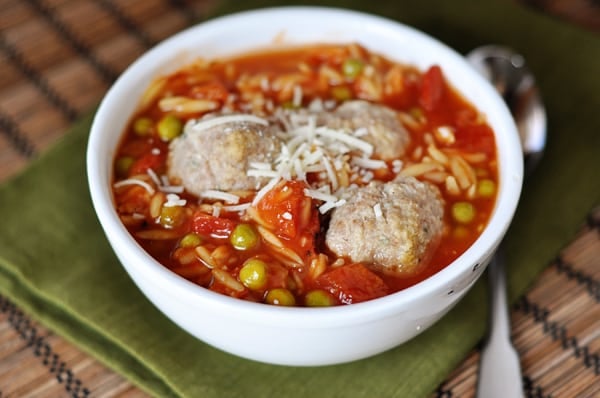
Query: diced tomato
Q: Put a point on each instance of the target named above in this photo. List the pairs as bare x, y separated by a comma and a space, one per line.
217, 227
353, 283
136, 147
477, 138
147, 161
282, 208
432, 89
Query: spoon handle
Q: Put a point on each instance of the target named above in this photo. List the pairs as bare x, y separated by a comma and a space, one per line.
500, 370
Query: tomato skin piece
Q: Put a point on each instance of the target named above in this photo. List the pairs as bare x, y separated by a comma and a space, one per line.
432, 89
281, 207
353, 283
217, 227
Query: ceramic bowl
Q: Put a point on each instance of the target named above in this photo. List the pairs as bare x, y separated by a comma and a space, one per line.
300, 336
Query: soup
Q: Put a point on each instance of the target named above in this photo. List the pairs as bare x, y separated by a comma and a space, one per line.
312, 176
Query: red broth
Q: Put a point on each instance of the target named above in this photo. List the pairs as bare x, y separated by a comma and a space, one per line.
195, 238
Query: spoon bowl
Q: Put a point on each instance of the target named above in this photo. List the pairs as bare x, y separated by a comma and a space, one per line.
509, 74
500, 371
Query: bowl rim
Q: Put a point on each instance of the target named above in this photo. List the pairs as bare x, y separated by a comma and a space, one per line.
510, 175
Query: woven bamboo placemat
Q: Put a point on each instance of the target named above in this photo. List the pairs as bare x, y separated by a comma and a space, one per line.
58, 57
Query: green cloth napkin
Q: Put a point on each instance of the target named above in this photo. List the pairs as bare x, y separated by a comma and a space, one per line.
57, 265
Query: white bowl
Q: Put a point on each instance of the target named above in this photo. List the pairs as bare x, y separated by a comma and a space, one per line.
300, 336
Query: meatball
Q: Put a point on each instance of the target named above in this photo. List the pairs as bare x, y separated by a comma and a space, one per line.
392, 227
384, 130
216, 153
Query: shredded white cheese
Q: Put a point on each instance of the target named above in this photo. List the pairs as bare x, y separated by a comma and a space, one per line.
297, 96
172, 188
264, 84
329, 104
174, 200
377, 210
361, 132
163, 183
397, 166
331, 174
262, 173
154, 177
369, 163
316, 105
319, 195
445, 134
260, 165
236, 208
324, 208
340, 135
135, 181
263, 191
196, 126
220, 195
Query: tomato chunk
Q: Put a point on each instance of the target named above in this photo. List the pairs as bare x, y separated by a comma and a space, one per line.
353, 283
282, 208
432, 89
217, 227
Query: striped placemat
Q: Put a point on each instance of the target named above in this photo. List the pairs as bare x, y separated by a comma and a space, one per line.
58, 57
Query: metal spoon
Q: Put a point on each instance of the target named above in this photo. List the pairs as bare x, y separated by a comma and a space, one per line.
499, 369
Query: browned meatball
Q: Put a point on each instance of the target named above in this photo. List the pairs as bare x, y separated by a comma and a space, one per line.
383, 128
215, 154
390, 226
381, 125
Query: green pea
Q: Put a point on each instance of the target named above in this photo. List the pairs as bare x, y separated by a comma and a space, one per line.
172, 216
318, 298
190, 240
143, 126
122, 165
244, 237
341, 93
280, 296
486, 188
463, 212
253, 274
169, 128
352, 67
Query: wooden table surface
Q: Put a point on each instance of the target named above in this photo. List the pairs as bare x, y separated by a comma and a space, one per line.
57, 59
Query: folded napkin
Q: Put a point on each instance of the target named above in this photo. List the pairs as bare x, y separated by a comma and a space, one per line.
56, 264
